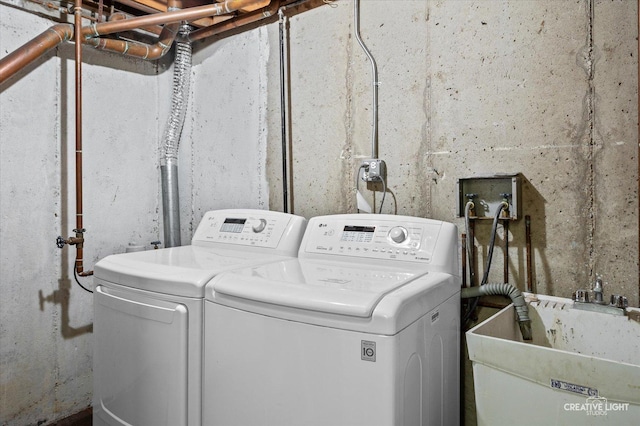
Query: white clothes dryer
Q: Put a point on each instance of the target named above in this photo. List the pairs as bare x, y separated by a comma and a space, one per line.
363, 328
149, 313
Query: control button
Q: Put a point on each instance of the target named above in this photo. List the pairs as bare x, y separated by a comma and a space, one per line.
398, 234
259, 227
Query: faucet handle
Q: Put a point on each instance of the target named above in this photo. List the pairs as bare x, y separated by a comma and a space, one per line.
582, 296
619, 301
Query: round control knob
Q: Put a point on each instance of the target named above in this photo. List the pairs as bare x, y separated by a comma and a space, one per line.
398, 234
259, 227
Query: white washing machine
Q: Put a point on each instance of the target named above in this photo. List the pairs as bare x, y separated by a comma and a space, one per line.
149, 313
363, 328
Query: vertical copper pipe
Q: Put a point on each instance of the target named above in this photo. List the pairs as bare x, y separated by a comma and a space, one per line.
464, 259
78, 77
527, 230
505, 227
474, 256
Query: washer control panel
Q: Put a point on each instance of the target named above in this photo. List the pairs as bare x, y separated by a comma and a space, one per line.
373, 236
247, 228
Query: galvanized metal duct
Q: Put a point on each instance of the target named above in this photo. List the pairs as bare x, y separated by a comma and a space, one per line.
171, 140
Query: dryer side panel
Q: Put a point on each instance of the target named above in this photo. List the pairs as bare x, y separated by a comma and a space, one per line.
140, 360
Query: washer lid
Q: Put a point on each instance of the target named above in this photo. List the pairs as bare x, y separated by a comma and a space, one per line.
322, 286
180, 271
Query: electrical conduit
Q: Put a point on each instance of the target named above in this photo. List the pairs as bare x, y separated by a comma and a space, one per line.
374, 76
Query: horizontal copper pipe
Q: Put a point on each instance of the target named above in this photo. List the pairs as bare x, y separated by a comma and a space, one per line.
32, 50
190, 14
231, 24
119, 16
139, 50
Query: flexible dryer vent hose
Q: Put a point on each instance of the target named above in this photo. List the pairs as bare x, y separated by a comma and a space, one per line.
173, 131
179, 100
522, 311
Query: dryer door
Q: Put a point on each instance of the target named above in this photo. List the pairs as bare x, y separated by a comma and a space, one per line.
140, 359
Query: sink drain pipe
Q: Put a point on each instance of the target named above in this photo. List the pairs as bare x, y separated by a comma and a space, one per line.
175, 123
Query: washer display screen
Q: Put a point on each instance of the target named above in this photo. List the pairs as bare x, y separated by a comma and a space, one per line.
358, 234
233, 225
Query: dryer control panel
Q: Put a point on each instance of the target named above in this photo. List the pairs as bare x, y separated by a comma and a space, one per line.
379, 237
252, 228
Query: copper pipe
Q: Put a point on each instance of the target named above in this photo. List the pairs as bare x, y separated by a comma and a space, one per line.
464, 259
60, 33
77, 14
136, 49
119, 16
505, 227
190, 14
232, 24
32, 50
473, 281
527, 236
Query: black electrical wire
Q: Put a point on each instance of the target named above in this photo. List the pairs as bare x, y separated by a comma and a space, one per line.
384, 193
362, 166
75, 276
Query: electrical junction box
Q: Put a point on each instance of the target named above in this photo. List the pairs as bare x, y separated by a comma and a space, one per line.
487, 192
374, 170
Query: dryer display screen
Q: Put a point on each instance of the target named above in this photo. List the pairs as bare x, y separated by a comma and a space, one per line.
233, 225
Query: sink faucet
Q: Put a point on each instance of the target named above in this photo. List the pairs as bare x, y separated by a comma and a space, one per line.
581, 298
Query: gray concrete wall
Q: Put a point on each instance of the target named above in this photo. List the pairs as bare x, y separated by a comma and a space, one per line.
472, 88
547, 89
225, 134
46, 320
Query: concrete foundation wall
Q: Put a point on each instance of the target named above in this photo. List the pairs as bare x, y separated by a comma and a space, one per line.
545, 88
474, 88
46, 320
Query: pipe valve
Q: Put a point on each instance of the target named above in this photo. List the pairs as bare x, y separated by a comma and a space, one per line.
472, 204
506, 204
78, 240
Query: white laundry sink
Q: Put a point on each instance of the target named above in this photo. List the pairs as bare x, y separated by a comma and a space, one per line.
581, 368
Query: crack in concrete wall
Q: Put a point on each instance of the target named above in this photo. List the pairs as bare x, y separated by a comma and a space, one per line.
587, 60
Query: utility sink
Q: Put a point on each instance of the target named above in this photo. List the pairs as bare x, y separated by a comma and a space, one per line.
581, 368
